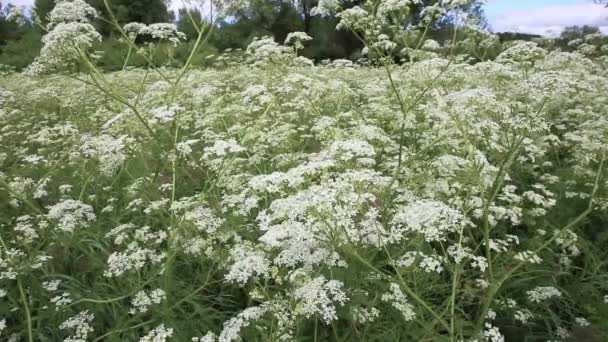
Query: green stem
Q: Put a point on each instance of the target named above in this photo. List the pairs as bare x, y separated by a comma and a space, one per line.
407, 289
26, 307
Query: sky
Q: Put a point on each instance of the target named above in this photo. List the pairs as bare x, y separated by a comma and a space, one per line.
545, 17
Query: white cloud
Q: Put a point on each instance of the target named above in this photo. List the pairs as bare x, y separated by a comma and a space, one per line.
551, 20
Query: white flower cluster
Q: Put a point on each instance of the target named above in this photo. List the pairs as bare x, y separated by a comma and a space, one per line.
248, 263
222, 148
80, 325
233, 327
320, 297
542, 293
388, 6
157, 31
71, 11
143, 300
109, 151
71, 214
522, 52
142, 248
70, 35
51, 285
308, 192
432, 219
492, 333
325, 8
364, 315
265, 49
297, 39
355, 18
397, 299
158, 334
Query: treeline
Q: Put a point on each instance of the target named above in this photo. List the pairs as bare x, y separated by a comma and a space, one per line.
233, 28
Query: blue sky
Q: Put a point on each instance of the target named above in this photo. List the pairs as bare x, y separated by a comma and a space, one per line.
546, 17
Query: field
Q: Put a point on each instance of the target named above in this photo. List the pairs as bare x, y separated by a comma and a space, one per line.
272, 199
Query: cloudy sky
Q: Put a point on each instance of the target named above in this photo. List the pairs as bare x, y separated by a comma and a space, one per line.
546, 17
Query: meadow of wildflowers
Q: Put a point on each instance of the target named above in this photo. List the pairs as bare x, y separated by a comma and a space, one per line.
449, 197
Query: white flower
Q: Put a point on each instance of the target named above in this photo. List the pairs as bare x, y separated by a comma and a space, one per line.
320, 297
492, 334
542, 293
233, 327
523, 315
248, 263
61, 300
143, 300
158, 334
222, 148
353, 150
265, 49
325, 8
79, 325
63, 46
479, 262
256, 92
433, 219
209, 337
107, 149
67, 11
159, 31
165, 114
364, 315
51, 285
355, 18
528, 256
388, 6
522, 52
71, 214
431, 45
297, 39
581, 321
398, 300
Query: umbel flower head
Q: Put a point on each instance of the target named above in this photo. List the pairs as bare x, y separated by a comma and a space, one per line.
69, 11
297, 39
70, 33
157, 31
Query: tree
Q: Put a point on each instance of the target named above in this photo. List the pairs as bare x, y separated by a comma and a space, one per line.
185, 21
578, 32
10, 30
42, 8
279, 17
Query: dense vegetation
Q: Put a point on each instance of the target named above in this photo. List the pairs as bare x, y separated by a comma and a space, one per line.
430, 191
234, 29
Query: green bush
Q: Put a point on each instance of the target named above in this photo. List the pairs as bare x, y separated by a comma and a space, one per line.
20, 53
